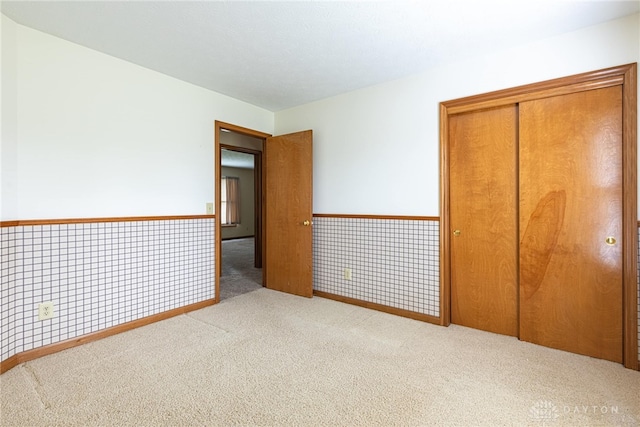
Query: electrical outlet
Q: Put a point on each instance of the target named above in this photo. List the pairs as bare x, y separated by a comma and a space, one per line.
209, 208
45, 310
347, 273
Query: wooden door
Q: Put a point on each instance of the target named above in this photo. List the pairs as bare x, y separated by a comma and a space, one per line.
570, 204
483, 218
288, 213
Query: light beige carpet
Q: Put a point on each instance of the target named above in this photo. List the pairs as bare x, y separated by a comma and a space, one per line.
271, 359
239, 275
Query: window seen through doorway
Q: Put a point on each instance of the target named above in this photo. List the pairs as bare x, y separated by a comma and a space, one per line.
230, 200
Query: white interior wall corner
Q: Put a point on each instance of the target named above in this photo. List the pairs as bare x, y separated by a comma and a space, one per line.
101, 137
376, 150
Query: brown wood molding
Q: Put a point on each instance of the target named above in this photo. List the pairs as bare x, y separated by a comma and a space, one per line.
217, 179
398, 217
445, 265
24, 222
630, 215
379, 307
625, 76
9, 363
586, 81
35, 353
239, 129
219, 126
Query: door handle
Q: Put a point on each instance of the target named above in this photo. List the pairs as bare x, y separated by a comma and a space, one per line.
306, 223
610, 240
456, 233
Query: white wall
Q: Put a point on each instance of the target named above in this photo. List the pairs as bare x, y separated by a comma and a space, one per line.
9, 122
100, 137
376, 150
88, 135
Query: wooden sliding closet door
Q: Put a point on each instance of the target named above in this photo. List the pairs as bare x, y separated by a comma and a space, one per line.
483, 212
571, 222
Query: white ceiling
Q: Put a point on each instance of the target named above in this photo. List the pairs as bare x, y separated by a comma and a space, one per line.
236, 159
278, 55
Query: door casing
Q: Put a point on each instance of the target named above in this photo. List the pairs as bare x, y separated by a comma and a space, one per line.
261, 196
626, 76
219, 126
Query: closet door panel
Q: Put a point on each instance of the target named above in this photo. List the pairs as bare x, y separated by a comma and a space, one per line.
483, 218
570, 191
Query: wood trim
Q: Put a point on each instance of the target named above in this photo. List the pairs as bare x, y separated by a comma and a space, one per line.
24, 222
625, 75
259, 231
9, 363
240, 129
630, 215
445, 259
217, 177
586, 81
379, 307
398, 217
35, 353
239, 149
258, 211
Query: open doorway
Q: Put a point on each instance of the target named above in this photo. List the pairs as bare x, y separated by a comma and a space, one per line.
239, 210
283, 237
241, 272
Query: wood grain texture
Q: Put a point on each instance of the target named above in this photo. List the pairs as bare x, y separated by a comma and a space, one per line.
541, 234
570, 202
257, 202
217, 179
483, 207
630, 214
25, 356
288, 204
239, 129
607, 77
445, 219
624, 75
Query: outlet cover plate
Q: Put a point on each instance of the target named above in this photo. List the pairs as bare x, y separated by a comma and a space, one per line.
45, 310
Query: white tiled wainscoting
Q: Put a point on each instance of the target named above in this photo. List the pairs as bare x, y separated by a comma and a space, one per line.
104, 274
99, 275
393, 262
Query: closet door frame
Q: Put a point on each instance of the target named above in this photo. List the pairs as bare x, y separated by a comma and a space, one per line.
624, 76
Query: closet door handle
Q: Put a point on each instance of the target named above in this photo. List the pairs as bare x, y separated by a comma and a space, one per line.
456, 233
610, 240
